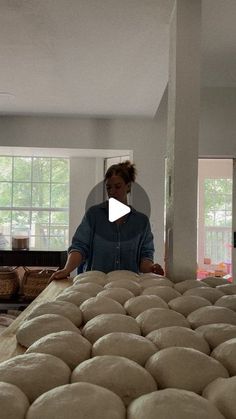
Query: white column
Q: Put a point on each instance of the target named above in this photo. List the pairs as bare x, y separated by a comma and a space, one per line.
182, 141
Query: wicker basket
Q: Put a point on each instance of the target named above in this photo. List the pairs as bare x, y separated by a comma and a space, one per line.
34, 282
9, 282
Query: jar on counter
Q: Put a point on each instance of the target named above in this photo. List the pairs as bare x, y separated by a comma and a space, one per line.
20, 238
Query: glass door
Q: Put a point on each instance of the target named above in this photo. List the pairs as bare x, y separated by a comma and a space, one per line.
215, 218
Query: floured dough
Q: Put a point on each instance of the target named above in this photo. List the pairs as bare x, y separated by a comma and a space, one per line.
100, 305
211, 314
106, 323
155, 318
228, 301
217, 333
163, 291
32, 330
188, 284
35, 374
136, 305
71, 347
226, 354
75, 297
135, 347
127, 283
78, 401
172, 403
63, 308
184, 368
221, 392
124, 377
211, 294
152, 282
214, 281
186, 304
89, 287
118, 294
13, 402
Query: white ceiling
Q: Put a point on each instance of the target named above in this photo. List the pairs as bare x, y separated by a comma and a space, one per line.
101, 57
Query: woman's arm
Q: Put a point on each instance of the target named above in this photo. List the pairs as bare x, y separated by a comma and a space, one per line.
74, 259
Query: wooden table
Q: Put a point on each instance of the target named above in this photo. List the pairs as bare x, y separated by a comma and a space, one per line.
8, 343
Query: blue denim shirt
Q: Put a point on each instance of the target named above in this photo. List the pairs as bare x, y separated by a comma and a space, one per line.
107, 246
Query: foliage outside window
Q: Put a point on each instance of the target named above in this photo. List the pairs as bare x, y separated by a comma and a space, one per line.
34, 193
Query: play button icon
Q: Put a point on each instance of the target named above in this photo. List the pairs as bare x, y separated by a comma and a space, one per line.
116, 209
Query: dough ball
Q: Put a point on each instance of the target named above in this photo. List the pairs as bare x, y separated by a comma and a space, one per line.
221, 392
100, 305
124, 377
118, 294
13, 402
165, 292
214, 281
91, 275
155, 318
228, 289
35, 374
63, 308
228, 301
178, 336
188, 284
188, 303
122, 274
152, 282
72, 296
226, 354
106, 323
71, 347
211, 294
217, 333
89, 287
77, 401
136, 305
135, 347
127, 283
32, 330
211, 314
172, 403
184, 368
97, 279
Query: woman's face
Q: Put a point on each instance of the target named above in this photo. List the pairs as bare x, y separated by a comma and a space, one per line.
117, 188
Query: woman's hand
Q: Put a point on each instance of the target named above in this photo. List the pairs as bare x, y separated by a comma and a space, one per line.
61, 274
157, 269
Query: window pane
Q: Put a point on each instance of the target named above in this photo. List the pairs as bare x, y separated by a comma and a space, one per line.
22, 169
41, 195
41, 169
21, 194
40, 217
59, 217
5, 222
21, 218
5, 168
60, 170
59, 196
5, 194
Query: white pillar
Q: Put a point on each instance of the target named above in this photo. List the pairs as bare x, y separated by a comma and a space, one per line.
182, 141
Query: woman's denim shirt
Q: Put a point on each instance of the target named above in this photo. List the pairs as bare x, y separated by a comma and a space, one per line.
107, 246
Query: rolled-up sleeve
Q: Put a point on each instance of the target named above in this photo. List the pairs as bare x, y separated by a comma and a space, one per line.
147, 249
82, 238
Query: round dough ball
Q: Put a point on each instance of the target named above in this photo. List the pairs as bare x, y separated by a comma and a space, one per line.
217, 333
186, 304
77, 401
188, 284
221, 392
32, 330
211, 294
214, 281
91, 275
211, 314
63, 308
172, 403
89, 287
228, 289
13, 402
122, 274
118, 294
135, 347
178, 336
35, 374
124, 377
97, 279
184, 368
228, 301
163, 291
71, 347
136, 305
100, 305
226, 354
152, 282
155, 318
72, 296
106, 323
127, 283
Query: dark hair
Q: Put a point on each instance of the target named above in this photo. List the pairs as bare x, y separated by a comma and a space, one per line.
126, 170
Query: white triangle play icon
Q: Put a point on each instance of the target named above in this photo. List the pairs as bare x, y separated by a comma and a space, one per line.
116, 209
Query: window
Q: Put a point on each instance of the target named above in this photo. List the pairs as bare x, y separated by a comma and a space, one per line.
34, 194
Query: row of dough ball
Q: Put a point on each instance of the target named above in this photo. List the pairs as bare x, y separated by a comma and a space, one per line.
134, 336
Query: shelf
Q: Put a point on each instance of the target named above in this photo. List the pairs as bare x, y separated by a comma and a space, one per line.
46, 258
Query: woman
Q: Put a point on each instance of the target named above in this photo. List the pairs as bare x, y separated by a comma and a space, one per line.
126, 243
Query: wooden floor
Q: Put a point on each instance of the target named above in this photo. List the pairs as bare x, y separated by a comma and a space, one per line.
8, 343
